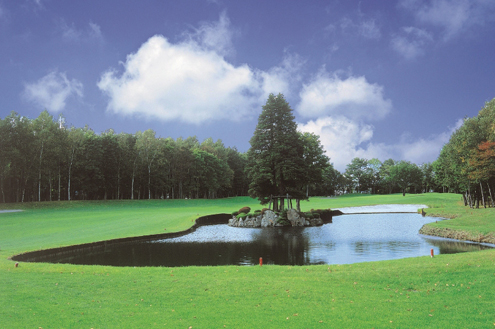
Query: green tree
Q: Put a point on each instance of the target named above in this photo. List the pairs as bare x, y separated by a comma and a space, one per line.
315, 160
406, 174
386, 180
148, 149
373, 173
74, 148
275, 158
356, 171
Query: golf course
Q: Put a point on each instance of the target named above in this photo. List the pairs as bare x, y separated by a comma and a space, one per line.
445, 291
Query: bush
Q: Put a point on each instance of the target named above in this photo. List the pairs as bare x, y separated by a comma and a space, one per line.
308, 215
321, 211
284, 222
257, 212
235, 213
316, 215
242, 216
245, 210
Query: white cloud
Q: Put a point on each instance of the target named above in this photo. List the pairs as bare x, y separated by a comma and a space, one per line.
216, 36
341, 138
410, 43
452, 16
52, 91
191, 81
90, 34
353, 97
365, 28
345, 139
282, 78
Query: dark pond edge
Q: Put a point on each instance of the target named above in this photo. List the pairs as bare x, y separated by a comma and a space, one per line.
40, 255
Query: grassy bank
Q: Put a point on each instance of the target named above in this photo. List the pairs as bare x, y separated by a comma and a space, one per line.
417, 292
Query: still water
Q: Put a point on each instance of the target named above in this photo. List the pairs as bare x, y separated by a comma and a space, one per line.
349, 239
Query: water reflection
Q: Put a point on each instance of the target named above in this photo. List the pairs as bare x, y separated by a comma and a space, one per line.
447, 246
349, 239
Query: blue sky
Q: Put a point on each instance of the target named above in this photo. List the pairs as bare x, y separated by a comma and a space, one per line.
385, 79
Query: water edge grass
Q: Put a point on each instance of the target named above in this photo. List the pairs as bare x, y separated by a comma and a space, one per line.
416, 292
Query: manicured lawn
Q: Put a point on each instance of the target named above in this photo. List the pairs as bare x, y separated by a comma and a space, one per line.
440, 292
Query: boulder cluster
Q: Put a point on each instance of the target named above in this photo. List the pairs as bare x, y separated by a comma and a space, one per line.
268, 218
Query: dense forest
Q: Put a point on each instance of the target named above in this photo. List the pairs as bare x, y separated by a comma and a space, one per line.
44, 160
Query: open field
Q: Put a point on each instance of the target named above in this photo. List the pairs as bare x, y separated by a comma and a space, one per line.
440, 292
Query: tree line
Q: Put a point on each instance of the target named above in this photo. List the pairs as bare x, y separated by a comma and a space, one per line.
390, 176
467, 162
44, 160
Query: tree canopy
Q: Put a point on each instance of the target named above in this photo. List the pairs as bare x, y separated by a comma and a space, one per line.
281, 160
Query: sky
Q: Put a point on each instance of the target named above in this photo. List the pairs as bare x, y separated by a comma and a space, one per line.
374, 79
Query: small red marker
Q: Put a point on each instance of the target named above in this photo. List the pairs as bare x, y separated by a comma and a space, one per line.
431, 253
261, 261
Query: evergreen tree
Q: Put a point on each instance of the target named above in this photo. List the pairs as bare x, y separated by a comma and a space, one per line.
275, 159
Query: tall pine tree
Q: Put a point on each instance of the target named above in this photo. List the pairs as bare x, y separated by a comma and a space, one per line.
275, 160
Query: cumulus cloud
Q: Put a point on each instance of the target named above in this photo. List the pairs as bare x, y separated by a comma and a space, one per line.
353, 97
341, 138
452, 16
410, 43
216, 36
345, 139
191, 81
52, 91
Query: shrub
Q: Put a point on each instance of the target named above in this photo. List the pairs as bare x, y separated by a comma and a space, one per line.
284, 222
245, 210
242, 216
257, 212
235, 213
321, 211
316, 215
308, 215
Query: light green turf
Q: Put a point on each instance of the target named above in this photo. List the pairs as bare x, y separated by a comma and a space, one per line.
441, 292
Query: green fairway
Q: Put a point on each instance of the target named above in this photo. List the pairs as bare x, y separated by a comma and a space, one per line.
440, 292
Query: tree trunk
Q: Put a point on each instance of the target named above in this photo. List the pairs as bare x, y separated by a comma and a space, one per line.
464, 198
50, 184
1, 187
118, 184
59, 179
490, 190
482, 195
149, 182
132, 186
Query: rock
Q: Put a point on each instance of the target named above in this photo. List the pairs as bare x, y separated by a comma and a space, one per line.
269, 219
294, 218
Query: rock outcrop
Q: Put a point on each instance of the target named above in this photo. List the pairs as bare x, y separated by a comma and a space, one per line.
268, 218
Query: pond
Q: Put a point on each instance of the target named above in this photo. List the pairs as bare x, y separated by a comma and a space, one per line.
348, 239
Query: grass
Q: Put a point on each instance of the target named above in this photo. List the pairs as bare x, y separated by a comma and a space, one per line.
440, 292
